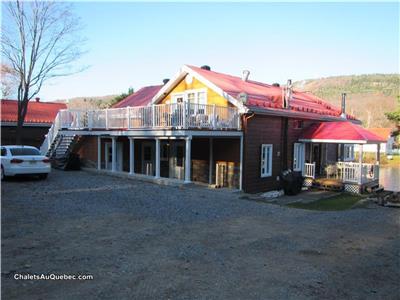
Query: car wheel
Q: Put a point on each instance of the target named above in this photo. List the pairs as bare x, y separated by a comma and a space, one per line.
43, 176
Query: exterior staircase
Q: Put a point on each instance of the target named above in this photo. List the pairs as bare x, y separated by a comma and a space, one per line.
60, 151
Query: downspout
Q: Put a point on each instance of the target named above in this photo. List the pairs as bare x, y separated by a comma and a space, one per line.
245, 118
286, 99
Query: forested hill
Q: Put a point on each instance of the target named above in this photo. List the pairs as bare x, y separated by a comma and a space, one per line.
368, 96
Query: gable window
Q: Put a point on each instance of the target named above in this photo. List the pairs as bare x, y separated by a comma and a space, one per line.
266, 160
348, 154
196, 99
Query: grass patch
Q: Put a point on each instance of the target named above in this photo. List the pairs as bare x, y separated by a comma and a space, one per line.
339, 202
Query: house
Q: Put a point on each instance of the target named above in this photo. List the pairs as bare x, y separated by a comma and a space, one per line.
218, 129
39, 118
386, 147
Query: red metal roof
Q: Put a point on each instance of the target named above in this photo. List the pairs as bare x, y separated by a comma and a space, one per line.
263, 95
141, 98
339, 132
38, 112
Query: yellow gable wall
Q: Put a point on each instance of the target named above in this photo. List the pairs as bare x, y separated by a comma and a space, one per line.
212, 96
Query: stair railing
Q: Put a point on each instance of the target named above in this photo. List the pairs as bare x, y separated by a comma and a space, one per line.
52, 134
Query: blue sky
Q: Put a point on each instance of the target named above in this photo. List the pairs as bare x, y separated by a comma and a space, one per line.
138, 44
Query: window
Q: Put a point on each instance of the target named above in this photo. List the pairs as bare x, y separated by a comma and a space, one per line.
24, 151
3, 151
196, 98
348, 154
266, 160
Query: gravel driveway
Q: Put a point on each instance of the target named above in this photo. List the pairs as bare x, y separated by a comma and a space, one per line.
144, 241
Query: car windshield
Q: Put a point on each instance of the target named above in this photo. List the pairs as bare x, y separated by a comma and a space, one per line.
24, 151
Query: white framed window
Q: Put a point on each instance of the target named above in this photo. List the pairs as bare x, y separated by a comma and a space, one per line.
266, 160
348, 154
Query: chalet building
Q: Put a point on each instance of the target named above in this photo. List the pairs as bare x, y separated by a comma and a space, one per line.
38, 120
217, 129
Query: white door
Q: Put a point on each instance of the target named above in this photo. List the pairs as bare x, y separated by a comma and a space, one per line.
177, 160
148, 163
119, 157
298, 157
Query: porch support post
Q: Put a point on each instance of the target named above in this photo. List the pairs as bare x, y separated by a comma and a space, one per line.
211, 163
188, 155
360, 158
241, 164
131, 156
99, 153
114, 154
378, 153
157, 158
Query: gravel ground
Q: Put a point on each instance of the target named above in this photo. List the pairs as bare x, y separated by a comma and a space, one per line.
145, 241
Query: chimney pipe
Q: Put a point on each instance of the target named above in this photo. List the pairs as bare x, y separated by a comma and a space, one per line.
343, 114
205, 67
165, 81
37, 99
245, 75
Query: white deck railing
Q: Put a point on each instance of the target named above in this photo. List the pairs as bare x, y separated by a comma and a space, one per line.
309, 170
353, 172
51, 135
170, 116
162, 116
346, 171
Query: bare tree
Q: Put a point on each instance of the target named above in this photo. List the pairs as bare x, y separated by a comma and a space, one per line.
40, 41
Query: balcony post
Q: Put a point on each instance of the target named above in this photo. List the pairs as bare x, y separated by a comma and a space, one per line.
99, 153
114, 154
89, 117
153, 116
185, 111
129, 117
106, 111
188, 157
214, 117
158, 158
131, 156
360, 158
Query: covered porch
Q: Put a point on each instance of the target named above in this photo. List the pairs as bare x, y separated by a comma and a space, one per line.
212, 158
329, 160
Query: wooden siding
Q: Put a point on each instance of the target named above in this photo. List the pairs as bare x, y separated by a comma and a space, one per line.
212, 96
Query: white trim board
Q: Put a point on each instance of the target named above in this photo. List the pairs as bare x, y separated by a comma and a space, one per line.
185, 70
338, 141
153, 133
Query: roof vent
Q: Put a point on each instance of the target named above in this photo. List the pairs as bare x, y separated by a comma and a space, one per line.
276, 84
243, 97
343, 114
287, 97
37, 99
245, 75
165, 81
205, 67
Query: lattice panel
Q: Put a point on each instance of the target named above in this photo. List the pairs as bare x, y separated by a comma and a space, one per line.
308, 182
352, 188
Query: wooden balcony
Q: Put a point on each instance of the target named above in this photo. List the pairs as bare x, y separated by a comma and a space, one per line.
163, 116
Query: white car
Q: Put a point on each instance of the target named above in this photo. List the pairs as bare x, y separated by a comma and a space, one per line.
23, 160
